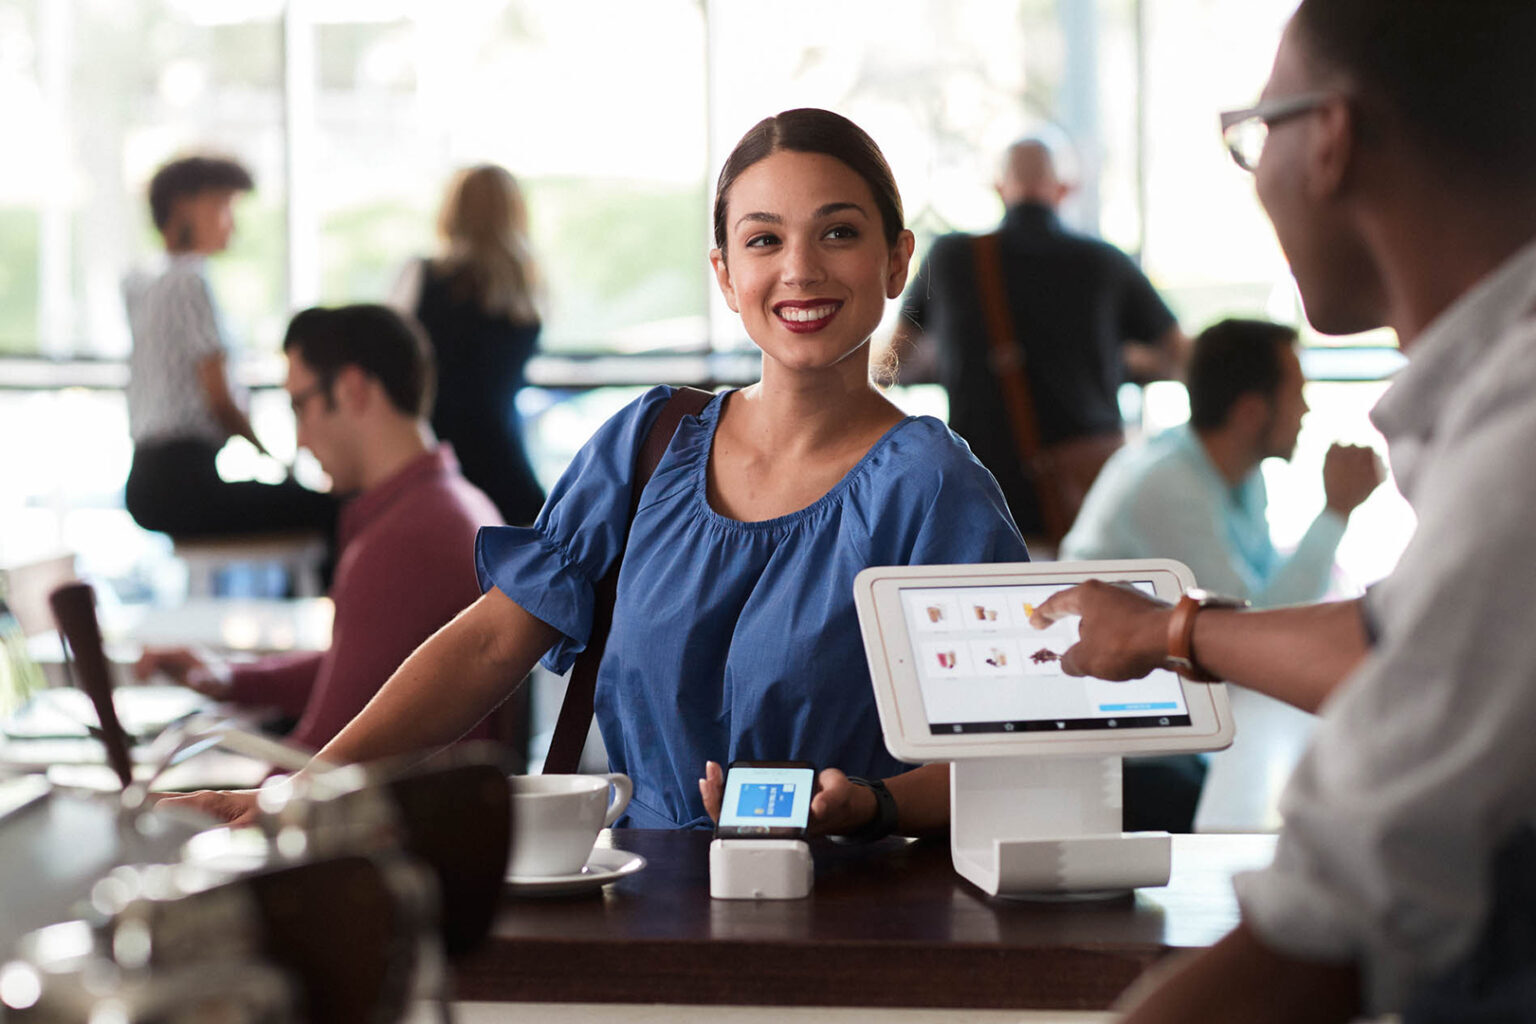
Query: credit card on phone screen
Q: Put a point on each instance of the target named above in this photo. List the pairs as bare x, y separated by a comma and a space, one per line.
766, 800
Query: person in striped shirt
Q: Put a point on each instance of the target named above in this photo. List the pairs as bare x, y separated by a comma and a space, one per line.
183, 404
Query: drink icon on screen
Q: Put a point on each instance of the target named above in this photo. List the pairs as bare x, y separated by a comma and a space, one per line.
983, 613
947, 659
997, 658
935, 613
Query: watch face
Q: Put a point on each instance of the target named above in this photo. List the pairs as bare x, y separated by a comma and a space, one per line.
1210, 599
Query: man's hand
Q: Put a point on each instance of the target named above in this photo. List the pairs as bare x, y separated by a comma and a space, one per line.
184, 667
1123, 633
1350, 474
837, 806
234, 807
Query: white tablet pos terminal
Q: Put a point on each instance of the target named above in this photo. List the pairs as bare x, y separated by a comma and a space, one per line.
960, 675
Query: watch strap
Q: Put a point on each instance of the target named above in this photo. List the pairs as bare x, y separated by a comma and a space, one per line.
1181, 633
884, 821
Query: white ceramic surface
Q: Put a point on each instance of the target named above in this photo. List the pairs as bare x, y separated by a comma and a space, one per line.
602, 867
556, 818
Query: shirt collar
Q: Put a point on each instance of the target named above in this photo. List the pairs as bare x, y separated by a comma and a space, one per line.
1029, 216
1448, 349
434, 463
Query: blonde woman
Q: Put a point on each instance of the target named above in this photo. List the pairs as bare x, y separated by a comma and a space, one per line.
478, 302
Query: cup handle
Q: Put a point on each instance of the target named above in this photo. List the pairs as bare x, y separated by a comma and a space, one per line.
622, 789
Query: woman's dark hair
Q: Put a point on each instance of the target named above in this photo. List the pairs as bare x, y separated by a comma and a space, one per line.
1229, 360
1453, 75
811, 130
192, 176
377, 340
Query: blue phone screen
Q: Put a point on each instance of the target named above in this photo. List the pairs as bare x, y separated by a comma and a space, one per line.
775, 797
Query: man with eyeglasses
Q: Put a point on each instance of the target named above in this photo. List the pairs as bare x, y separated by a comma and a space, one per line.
360, 381
1392, 149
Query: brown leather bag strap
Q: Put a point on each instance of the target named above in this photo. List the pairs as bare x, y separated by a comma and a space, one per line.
1008, 366
576, 710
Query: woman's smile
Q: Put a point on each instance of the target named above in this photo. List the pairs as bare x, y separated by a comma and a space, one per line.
805, 316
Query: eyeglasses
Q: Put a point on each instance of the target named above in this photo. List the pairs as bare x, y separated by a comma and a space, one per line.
1245, 131
299, 399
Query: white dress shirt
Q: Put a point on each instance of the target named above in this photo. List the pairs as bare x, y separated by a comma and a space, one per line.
1423, 764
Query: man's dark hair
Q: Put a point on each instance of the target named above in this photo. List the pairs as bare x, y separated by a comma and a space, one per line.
192, 176
1453, 75
377, 340
1231, 359
812, 130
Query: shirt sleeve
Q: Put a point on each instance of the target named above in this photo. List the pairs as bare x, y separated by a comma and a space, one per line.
282, 681
1144, 316
392, 590
552, 568
191, 318
1303, 575
1422, 764
1175, 514
945, 502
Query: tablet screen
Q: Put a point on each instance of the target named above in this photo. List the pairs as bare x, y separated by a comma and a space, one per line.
982, 667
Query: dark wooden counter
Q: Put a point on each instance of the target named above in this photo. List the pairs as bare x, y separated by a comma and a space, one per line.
886, 925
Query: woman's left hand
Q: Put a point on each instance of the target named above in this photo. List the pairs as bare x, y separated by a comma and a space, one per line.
840, 806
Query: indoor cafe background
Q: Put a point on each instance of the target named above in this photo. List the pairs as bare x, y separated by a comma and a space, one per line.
615, 114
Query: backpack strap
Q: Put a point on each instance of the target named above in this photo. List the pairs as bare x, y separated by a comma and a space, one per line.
576, 711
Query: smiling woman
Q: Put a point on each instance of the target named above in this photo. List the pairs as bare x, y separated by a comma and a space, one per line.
734, 635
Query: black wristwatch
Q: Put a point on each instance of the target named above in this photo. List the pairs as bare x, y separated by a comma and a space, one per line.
884, 821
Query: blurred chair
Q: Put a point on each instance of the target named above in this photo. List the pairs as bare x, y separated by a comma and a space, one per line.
27, 587
74, 609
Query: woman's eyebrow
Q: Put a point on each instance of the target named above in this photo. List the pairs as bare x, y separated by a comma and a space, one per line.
825, 210
759, 218
830, 208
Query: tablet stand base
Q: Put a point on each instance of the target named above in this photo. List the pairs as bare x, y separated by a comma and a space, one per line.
1049, 827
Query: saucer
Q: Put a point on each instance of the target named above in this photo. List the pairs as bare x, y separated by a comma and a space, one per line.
602, 867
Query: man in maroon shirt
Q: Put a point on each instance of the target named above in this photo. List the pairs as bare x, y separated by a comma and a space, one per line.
360, 380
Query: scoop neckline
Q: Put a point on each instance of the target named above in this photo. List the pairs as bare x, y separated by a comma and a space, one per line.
710, 420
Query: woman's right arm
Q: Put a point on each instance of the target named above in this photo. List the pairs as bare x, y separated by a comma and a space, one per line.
212, 377
448, 684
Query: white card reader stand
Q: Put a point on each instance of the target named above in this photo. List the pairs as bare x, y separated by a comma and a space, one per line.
1049, 827
760, 869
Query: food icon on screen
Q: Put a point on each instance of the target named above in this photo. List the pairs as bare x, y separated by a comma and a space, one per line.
997, 658
946, 659
1044, 656
1029, 611
935, 613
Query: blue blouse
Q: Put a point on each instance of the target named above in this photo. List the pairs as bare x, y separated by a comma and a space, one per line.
736, 640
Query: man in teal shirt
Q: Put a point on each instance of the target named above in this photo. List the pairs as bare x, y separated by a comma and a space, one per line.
1195, 493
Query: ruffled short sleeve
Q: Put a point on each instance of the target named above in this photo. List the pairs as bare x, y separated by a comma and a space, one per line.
552, 568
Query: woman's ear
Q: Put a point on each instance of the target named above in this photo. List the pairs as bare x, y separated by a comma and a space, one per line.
723, 278
901, 262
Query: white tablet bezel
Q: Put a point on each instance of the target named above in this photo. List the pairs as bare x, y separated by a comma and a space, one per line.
877, 596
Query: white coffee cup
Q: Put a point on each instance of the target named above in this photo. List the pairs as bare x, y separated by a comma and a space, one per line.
556, 818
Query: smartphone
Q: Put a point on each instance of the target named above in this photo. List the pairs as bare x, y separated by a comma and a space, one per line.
766, 800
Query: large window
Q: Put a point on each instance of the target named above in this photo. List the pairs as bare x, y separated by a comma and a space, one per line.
615, 115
